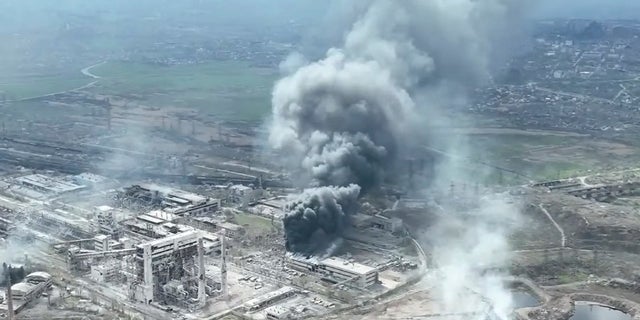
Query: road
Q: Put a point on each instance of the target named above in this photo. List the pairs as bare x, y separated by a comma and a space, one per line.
555, 224
85, 71
227, 171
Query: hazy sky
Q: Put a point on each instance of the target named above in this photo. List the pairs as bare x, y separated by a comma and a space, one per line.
621, 9
250, 12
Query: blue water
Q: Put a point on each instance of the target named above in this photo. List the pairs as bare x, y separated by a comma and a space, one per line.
523, 299
587, 311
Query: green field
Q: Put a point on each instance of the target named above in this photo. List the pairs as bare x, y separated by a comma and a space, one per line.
542, 157
252, 221
21, 87
227, 89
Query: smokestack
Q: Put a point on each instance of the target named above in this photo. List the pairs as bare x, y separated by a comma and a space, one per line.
223, 266
202, 294
10, 315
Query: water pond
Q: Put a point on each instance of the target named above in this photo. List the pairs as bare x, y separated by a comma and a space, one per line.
593, 311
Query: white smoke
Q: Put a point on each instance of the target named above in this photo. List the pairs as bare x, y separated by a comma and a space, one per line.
292, 63
470, 249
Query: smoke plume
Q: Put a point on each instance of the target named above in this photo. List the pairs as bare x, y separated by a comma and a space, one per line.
469, 250
317, 215
349, 117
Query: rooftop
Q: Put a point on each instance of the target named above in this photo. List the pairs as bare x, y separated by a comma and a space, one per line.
184, 236
51, 184
269, 296
150, 219
175, 195
345, 265
278, 311
162, 215
101, 237
22, 287
104, 208
39, 275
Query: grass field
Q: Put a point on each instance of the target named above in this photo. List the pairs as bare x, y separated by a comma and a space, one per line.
253, 221
230, 90
545, 157
20, 87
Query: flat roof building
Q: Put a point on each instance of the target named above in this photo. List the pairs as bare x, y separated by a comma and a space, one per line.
51, 185
341, 269
22, 290
269, 298
277, 313
337, 268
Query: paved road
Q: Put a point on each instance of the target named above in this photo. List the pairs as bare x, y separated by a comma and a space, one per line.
87, 71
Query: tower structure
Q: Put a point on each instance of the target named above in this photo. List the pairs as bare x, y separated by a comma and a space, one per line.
223, 266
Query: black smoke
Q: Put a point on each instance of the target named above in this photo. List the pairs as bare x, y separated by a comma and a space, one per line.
340, 121
318, 216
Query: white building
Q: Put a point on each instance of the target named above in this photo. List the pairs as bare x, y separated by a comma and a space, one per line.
337, 269
39, 277
277, 312
22, 290
101, 242
50, 185
211, 243
269, 299
341, 269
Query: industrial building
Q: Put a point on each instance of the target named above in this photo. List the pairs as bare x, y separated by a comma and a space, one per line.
32, 287
344, 270
48, 185
379, 221
269, 299
104, 272
172, 258
336, 270
277, 313
172, 200
39, 277
104, 221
